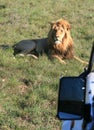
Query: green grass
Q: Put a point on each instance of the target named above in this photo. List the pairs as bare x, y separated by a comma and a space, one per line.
33, 106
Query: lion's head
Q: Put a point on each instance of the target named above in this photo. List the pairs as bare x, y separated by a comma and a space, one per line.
59, 38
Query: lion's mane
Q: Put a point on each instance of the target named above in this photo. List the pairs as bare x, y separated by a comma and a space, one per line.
65, 48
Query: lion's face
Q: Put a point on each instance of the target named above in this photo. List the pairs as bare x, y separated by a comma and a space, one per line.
58, 31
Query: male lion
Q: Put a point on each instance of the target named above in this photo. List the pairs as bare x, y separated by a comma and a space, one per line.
58, 44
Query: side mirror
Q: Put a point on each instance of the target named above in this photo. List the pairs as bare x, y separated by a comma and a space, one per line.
71, 99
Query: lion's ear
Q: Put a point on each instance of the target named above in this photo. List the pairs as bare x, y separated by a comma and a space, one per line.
51, 23
68, 26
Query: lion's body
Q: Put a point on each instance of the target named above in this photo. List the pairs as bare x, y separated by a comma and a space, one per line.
36, 47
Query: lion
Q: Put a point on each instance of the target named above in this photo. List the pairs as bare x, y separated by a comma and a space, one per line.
58, 44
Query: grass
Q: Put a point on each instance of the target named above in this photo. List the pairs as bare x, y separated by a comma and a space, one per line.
29, 87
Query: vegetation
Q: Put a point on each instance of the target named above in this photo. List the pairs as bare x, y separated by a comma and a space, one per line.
29, 87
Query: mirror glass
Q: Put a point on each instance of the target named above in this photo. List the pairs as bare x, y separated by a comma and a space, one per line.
67, 116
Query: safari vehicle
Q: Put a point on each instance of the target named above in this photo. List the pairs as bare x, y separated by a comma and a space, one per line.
76, 99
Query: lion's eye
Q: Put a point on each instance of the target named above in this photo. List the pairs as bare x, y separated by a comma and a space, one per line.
61, 30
